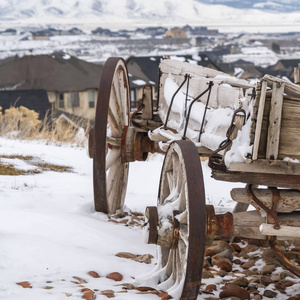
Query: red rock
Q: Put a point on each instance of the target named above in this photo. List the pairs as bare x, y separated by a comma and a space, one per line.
248, 264
94, 274
115, 276
80, 280
296, 297
229, 286
87, 294
25, 284
126, 255
225, 266
235, 292
211, 287
250, 248
236, 247
267, 269
108, 293
144, 288
164, 296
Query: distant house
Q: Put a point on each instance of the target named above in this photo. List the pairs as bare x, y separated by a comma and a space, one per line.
70, 84
242, 69
285, 68
142, 71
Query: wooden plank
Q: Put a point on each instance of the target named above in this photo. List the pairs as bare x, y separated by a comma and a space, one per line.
275, 121
289, 145
266, 166
259, 120
176, 67
283, 231
271, 180
247, 224
289, 199
291, 89
147, 111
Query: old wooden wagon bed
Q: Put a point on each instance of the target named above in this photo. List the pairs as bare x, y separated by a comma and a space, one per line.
248, 131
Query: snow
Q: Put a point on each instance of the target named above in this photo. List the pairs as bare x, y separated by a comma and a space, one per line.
50, 232
139, 13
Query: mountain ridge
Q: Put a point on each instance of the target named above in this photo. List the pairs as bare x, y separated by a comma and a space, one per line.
205, 12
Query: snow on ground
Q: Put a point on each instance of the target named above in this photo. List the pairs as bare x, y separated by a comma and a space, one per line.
49, 231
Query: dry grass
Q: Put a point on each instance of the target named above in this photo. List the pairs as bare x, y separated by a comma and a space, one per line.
9, 169
23, 123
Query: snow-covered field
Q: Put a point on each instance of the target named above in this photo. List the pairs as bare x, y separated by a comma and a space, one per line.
49, 231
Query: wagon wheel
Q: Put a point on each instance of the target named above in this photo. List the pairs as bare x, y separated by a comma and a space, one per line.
111, 122
181, 219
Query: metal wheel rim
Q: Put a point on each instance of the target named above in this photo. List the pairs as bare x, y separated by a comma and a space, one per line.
112, 112
191, 173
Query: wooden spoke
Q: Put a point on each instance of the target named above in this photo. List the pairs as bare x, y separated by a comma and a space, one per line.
112, 116
182, 202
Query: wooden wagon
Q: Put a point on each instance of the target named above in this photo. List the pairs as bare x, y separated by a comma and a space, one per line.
248, 130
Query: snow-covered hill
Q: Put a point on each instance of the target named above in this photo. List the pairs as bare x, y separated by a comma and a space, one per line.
146, 12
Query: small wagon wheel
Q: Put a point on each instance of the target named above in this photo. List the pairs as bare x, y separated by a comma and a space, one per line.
111, 122
181, 220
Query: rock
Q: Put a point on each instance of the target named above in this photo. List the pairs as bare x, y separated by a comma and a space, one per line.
269, 294
275, 277
267, 269
241, 281
126, 255
225, 266
296, 297
226, 254
257, 297
229, 286
250, 248
248, 264
222, 273
285, 274
25, 284
222, 263
94, 274
115, 276
235, 292
127, 286
164, 296
268, 253
265, 280
218, 247
87, 294
237, 261
79, 279
206, 264
145, 288
145, 258
236, 247
210, 287
286, 283
108, 293
207, 274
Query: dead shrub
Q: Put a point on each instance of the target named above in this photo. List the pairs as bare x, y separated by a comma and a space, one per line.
23, 123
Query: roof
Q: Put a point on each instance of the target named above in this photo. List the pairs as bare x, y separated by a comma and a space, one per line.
57, 72
145, 67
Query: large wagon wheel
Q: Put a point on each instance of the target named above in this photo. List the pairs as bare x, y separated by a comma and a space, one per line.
181, 221
111, 122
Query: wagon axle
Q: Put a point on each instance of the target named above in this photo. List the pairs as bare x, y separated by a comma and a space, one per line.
217, 226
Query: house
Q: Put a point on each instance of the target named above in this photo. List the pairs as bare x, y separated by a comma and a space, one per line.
71, 84
241, 69
285, 68
142, 71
